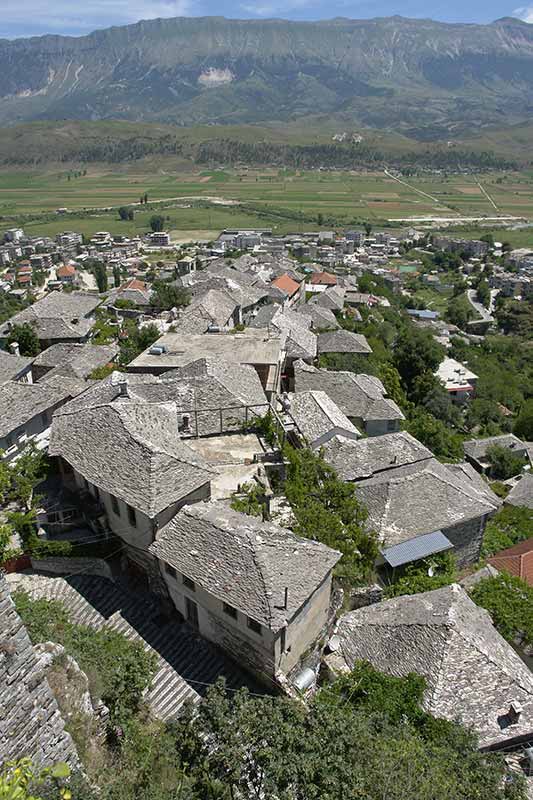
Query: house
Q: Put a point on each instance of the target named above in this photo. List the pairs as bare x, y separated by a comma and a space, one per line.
459, 382
160, 239
322, 279
361, 397
263, 350
291, 288
476, 450
516, 560
424, 507
211, 395
31, 723
472, 674
14, 367
332, 298
356, 460
72, 360
26, 411
212, 310
313, 417
254, 588
522, 492
342, 341
130, 457
132, 291
67, 274
321, 318
301, 341
58, 317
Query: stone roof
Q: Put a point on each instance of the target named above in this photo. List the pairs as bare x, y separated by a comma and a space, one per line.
245, 562
131, 450
476, 449
420, 498
241, 380
357, 396
333, 298
75, 360
320, 317
134, 290
211, 307
30, 720
357, 460
316, 416
471, 477
59, 315
472, 673
11, 366
21, 402
522, 492
301, 341
343, 342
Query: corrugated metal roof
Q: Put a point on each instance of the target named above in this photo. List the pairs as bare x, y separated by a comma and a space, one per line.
413, 549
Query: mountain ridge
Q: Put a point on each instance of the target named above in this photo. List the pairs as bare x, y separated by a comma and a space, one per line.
388, 72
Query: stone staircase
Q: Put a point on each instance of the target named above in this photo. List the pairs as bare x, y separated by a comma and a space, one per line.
186, 663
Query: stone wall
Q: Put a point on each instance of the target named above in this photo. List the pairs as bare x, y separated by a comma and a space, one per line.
30, 721
71, 566
467, 538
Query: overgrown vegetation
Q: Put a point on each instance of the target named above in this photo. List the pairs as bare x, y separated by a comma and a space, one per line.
327, 509
424, 576
511, 525
509, 601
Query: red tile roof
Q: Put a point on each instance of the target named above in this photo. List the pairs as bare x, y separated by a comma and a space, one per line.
286, 284
134, 284
323, 278
517, 560
65, 271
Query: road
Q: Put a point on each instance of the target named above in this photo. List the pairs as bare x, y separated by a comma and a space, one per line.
483, 312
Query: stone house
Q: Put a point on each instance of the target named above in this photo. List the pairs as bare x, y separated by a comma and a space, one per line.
255, 589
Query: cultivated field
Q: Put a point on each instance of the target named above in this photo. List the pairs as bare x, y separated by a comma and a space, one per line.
286, 201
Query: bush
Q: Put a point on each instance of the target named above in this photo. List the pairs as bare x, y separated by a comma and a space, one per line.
509, 601
415, 578
512, 524
504, 463
119, 671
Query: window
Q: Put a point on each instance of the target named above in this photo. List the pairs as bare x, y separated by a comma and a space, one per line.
391, 424
170, 570
132, 517
229, 610
114, 505
254, 626
189, 584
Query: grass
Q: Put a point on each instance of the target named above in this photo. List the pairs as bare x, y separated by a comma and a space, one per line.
283, 199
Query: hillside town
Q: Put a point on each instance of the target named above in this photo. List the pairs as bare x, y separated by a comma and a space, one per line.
270, 461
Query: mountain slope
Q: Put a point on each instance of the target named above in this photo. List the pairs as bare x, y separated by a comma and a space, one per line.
420, 76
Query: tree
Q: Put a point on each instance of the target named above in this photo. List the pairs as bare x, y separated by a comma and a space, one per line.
27, 339
100, 274
320, 219
511, 525
459, 311
19, 780
415, 353
145, 198
124, 213
326, 508
241, 746
157, 222
523, 426
509, 601
483, 293
504, 463
368, 228
116, 276
166, 296
434, 434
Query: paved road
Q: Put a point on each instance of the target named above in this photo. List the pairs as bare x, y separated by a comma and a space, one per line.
482, 312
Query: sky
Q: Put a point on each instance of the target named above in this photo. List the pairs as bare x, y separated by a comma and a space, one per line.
77, 17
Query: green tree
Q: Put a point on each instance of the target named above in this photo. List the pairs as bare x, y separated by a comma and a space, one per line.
166, 296
434, 434
157, 222
459, 311
423, 576
368, 228
504, 463
100, 274
116, 276
483, 293
26, 337
326, 509
509, 601
319, 220
124, 212
523, 426
416, 352
512, 524
237, 745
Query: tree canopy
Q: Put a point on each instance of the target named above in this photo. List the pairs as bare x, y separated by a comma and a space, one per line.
27, 339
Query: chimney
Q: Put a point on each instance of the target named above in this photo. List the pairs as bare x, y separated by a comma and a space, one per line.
123, 388
286, 597
514, 712
15, 348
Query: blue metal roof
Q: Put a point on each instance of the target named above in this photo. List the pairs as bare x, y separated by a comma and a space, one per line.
423, 314
414, 549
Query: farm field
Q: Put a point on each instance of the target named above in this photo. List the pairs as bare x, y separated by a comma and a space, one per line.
284, 200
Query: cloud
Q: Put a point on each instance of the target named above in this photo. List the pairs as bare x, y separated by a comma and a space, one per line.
29, 17
261, 9
525, 13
